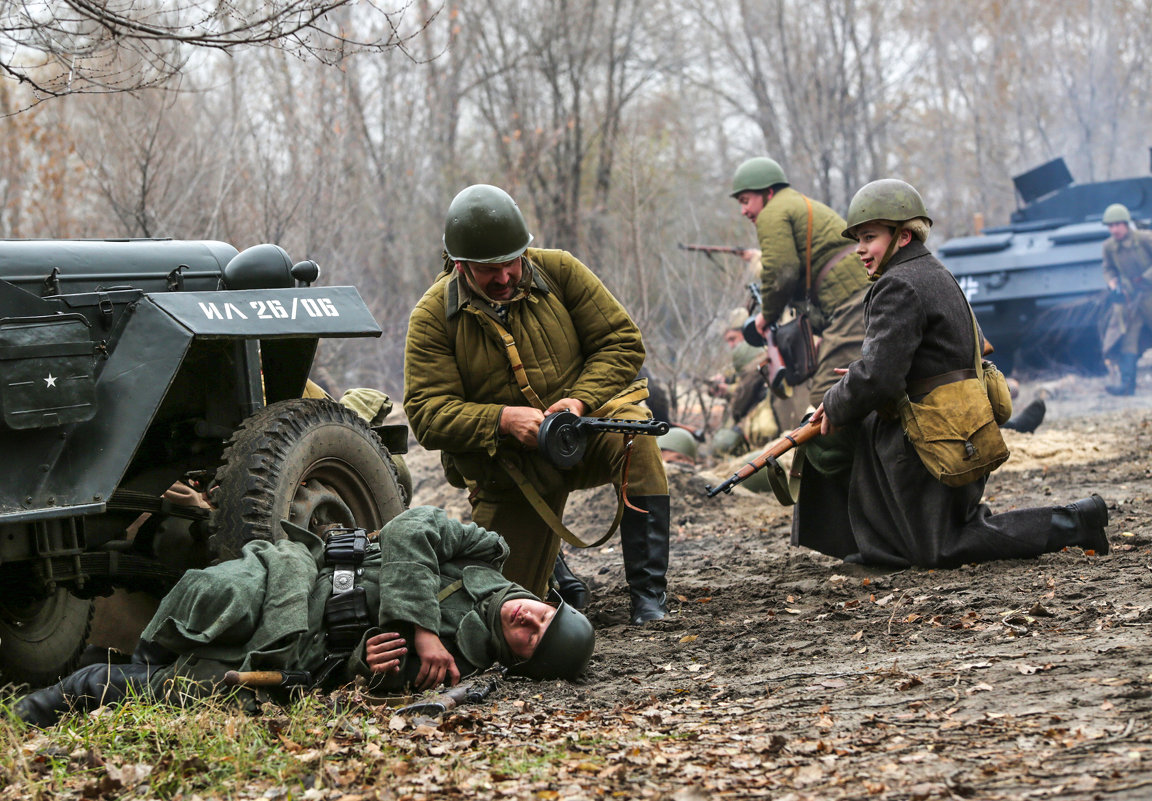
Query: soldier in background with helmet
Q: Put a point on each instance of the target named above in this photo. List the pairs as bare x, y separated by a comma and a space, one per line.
834, 303
753, 420
921, 333
678, 447
1128, 271
505, 336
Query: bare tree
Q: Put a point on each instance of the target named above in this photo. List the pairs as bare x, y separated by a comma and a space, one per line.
61, 47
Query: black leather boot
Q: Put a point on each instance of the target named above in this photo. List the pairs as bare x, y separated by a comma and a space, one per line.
1082, 524
1029, 419
644, 542
1127, 385
574, 591
92, 686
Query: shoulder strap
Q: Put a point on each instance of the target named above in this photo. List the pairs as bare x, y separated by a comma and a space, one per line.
517, 366
808, 253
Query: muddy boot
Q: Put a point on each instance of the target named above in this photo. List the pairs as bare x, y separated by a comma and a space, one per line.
1029, 419
1082, 524
644, 542
1127, 385
571, 589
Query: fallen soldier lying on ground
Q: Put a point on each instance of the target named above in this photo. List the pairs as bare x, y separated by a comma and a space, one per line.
422, 604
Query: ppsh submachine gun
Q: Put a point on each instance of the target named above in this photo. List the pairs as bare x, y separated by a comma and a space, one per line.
129, 366
563, 436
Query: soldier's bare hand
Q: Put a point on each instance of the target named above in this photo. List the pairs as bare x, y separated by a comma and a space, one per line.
183, 495
521, 422
384, 652
818, 416
573, 405
436, 664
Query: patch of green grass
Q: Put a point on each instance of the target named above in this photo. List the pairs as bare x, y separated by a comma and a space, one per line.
211, 748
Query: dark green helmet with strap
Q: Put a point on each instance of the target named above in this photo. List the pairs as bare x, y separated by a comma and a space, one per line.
729, 441
886, 200
678, 440
565, 649
756, 174
1117, 213
485, 225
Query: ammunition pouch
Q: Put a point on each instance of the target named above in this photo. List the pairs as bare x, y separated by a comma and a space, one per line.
346, 613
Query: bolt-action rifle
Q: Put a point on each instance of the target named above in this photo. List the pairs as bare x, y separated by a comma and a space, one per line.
767, 458
735, 251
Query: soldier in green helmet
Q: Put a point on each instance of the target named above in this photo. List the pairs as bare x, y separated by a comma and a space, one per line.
506, 335
750, 412
678, 447
806, 263
435, 608
921, 334
1128, 271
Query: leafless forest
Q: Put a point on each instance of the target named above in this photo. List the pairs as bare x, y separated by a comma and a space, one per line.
615, 124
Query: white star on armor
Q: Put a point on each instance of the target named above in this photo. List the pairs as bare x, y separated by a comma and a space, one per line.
50, 380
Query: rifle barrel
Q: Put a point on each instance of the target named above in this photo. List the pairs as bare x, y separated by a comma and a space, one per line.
795, 437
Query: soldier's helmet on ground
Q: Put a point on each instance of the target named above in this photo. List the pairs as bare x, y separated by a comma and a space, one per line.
888, 200
678, 442
485, 225
565, 649
1116, 213
757, 174
728, 440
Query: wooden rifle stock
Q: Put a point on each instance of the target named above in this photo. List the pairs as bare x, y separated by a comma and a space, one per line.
798, 436
268, 678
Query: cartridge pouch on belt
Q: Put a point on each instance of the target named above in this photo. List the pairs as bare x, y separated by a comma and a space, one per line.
346, 613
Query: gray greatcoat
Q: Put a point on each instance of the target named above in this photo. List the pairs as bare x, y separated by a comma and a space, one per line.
918, 325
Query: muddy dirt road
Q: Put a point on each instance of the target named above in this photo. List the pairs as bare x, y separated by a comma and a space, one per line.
787, 674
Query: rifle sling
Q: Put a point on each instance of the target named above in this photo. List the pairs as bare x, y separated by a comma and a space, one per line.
530, 493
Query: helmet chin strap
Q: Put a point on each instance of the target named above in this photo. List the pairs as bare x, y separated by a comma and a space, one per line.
888, 251
521, 288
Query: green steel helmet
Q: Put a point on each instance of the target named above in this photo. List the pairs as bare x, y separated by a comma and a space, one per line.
888, 199
1117, 213
678, 440
565, 649
485, 225
728, 440
756, 174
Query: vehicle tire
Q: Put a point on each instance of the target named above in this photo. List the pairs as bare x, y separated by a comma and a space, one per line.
310, 461
41, 640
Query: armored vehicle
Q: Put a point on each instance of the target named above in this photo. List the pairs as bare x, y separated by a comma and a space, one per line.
129, 365
1036, 284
